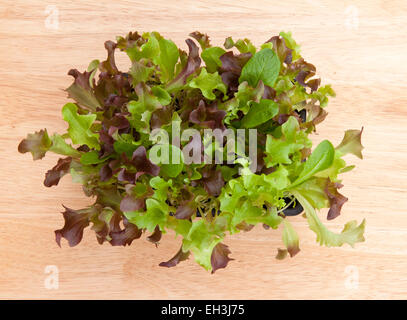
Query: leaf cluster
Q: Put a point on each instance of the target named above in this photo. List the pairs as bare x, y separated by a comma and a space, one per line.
107, 145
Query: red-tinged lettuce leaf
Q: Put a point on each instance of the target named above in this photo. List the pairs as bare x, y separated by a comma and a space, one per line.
279, 46
202, 39
81, 90
53, 176
109, 65
220, 257
155, 237
113, 90
290, 239
112, 100
75, 222
105, 222
117, 123
351, 143
304, 73
247, 227
106, 171
138, 165
142, 163
106, 143
231, 69
213, 182
281, 254
125, 175
193, 63
315, 115
131, 203
208, 116
187, 207
302, 78
130, 42
186, 210
336, 200
37, 143
161, 117
125, 236
179, 256
234, 63
193, 150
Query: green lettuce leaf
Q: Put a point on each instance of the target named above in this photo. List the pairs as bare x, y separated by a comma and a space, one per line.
211, 58
264, 66
280, 150
290, 239
80, 126
320, 159
259, 113
351, 233
207, 83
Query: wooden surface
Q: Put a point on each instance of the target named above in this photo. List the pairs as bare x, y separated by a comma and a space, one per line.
358, 46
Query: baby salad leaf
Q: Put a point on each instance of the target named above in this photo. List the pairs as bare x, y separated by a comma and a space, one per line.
259, 113
332, 172
243, 45
79, 126
92, 157
37, 143
313, 190
59, 146
207, 82
167, 58
290, 239
211, 57
351, 143
280, 150
201, 241
179, 256
81, 90
220, 257
264, 65
290, 43
351, 233
320, 159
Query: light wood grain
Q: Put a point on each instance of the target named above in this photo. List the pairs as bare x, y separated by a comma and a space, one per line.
364, 63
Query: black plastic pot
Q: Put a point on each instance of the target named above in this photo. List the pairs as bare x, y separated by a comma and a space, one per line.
293, 210
302, 114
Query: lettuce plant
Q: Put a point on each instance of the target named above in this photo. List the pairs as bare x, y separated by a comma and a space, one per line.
268, 99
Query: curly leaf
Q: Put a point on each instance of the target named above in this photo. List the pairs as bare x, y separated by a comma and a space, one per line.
351, 233
207, 83
79, 126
